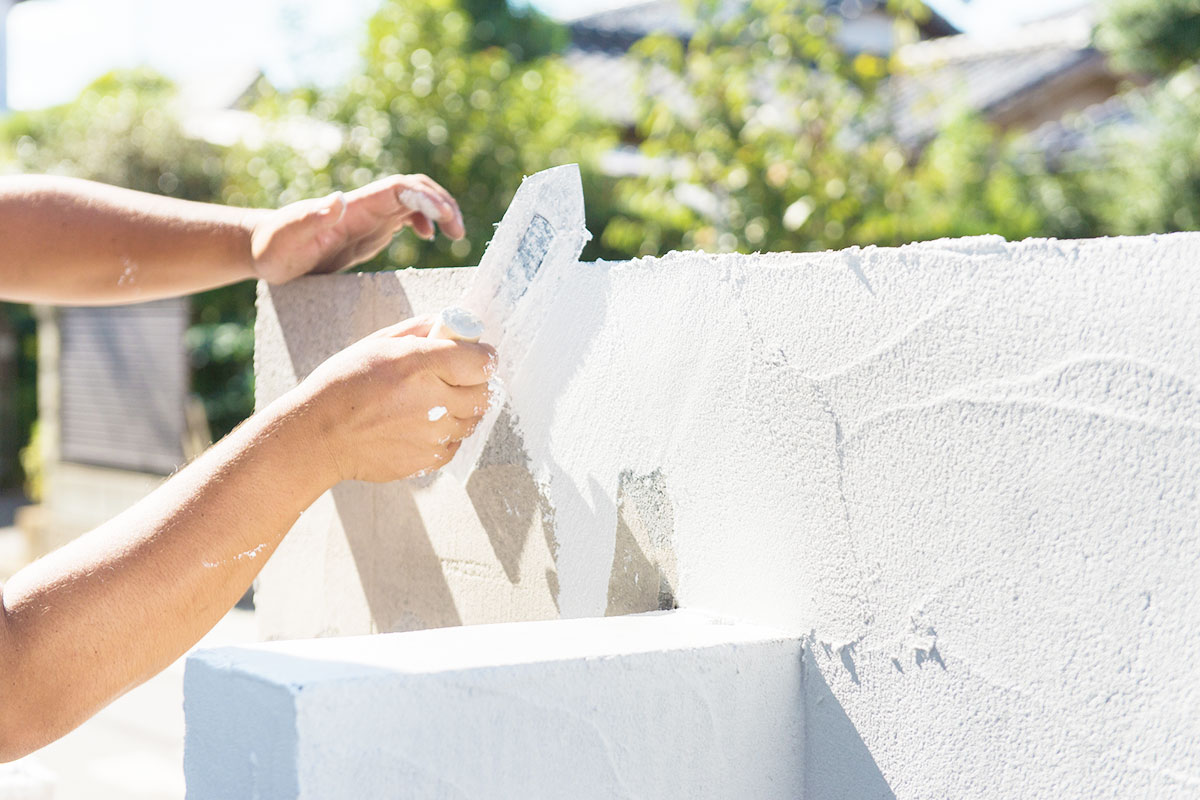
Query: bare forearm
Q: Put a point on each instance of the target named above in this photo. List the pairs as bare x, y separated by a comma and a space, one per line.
74, 241
94, 619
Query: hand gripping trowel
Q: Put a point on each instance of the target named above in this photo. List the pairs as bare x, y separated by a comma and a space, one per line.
540, 237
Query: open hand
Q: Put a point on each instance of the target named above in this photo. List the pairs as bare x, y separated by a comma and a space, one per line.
336, 232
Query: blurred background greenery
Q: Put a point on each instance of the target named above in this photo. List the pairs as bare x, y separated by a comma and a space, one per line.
777, 138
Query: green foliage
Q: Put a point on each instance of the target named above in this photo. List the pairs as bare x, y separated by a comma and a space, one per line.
119, 131
1146, 178
783, 143
1150, 37
526, 33
758, 154
438, 95
33, 464
122, 131
427, 101
19, 405
970, 180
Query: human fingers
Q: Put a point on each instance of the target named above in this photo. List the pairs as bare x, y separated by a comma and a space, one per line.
449, 429
367, 248
407, 197
414, 326
457, 363
465, 402
450, 218
422, 226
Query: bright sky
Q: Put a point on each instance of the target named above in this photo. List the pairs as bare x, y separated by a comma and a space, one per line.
56, 47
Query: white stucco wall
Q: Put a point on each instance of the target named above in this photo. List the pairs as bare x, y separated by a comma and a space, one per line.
670, 705
964, 472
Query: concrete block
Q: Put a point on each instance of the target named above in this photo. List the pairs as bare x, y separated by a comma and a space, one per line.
672, 705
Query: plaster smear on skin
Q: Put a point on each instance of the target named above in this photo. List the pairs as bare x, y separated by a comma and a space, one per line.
252, 553
129, 274
436, 413
419, 201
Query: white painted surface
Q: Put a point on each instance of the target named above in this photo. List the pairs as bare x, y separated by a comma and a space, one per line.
25, 779
965, 471
675, 705
5, 6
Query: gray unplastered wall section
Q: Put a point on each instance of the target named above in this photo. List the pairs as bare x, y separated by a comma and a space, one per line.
964, 473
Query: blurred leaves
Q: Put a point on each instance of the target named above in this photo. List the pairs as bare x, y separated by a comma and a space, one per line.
428, 100
775, 139
1150, 37
783, 143
120, 130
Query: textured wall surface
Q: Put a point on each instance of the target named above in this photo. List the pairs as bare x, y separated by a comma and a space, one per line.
672, 705
964, 472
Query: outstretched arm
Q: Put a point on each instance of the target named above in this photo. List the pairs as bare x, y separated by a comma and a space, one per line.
77, 242
92, 620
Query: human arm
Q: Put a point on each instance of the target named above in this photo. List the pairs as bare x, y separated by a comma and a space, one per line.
71, 241
95, 618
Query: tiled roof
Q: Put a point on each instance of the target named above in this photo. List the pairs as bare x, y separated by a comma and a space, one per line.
615, 31
1085, 134
938, 75
609, 78
944, 75
619, 28
987, 84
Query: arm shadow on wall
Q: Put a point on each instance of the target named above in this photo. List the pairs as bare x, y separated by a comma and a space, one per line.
399, 571
838, 764
632, 510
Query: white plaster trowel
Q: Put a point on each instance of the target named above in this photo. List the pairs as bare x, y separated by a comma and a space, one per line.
539, 238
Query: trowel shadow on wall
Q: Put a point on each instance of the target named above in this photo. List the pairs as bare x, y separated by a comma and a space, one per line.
838, 764
399, 572
506, 498
516, 484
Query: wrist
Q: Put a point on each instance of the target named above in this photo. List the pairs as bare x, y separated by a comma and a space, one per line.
296, 430
248, 220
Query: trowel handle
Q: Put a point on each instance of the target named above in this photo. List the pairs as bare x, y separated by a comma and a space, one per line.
458, 324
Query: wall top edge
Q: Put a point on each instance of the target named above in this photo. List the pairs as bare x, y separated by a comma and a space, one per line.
305, 662
967, 246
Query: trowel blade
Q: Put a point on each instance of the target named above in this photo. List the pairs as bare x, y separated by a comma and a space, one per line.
543, 225
540, 237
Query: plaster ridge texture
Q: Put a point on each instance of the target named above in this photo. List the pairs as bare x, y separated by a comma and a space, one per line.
675, 705
964, 471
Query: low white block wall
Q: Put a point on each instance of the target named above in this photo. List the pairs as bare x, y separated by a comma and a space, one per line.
965, 471
673, 705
